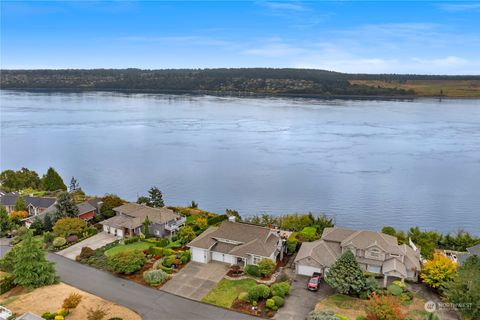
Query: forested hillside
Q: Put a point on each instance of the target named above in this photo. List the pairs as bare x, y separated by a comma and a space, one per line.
227, 81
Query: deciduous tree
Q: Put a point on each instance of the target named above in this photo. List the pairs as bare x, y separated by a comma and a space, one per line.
110, 201
186, 234
5, 222
69, 226
20, 204
438, 271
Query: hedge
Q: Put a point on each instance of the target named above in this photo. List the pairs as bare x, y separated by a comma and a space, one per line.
6, 283
252, 270
217, 219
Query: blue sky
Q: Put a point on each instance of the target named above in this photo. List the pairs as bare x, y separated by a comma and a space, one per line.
349, 36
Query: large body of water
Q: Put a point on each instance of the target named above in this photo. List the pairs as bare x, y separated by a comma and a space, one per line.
366, 163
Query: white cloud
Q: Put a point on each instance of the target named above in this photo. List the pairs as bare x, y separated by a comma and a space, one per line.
179, 40
460, 6
282, 6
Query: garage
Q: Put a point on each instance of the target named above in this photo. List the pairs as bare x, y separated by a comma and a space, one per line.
199, 255
307, 270
222, 257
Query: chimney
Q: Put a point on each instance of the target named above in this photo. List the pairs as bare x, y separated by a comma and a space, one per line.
231, 218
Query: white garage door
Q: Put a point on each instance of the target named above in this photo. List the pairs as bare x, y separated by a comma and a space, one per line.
217, 256
307, 270
198, 255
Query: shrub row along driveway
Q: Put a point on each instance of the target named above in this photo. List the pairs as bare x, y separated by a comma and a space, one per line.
196, 280
151, 304
94, 242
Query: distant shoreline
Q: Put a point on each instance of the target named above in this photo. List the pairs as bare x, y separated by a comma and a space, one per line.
242, 94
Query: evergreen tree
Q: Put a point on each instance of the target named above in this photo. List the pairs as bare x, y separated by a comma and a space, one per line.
52, 181
48, 222
5, 223
20, 204
146, 227
346, 276
465, 287
37, 227
31, 269
65, 206
143, 200
74, 186
155, 197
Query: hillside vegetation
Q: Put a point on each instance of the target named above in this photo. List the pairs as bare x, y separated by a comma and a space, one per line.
263, 81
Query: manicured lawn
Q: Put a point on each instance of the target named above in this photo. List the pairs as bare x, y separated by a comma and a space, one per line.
140, 245
226, 291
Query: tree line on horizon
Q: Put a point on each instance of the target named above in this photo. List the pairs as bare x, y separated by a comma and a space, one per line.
268, 81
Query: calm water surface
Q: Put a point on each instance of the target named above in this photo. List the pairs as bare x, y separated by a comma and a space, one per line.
367, 163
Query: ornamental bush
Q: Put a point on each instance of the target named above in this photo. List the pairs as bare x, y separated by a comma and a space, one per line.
72, 301
281, 289
86, 253
67, 226
59, 241
322, 315
384, 307
270, 304
279, 301
155, 277
258, 291
252, 270
169, 261
72, 238
266, 267
395, 290
308, 234
131, 240
163, 242
126, 262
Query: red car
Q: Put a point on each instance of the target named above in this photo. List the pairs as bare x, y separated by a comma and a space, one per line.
314, 281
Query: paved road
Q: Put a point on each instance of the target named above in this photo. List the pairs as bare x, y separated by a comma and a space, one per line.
151, 304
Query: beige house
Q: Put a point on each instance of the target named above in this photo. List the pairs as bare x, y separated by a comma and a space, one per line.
130, 217
236, 243
375, 252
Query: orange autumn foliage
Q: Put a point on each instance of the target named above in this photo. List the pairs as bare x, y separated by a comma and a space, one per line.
18, 215
384, 307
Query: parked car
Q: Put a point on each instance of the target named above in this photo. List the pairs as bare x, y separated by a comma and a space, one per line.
314, 282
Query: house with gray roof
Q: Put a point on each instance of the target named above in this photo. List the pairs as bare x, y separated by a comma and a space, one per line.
35, 205
29, 316
375, 252
236, 243
130, 217
462, 257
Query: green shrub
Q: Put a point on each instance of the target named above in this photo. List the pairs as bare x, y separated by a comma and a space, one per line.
163, 242
168, 261
174, 244
166, 269
168, 251
308, 234
243, 296
399, 283
48, 237
156, 251
7, 283
63, 312
59, 241
266, 267
270, 304
216, 219
155, 277
126, 262
252, 270
395, 290
281, 289
279, 301
131, 240
340, 317
292, 243
361, 318
49, 315
258, 291
322, 315
184, 256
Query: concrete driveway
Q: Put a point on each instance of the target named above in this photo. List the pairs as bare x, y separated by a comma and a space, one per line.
95, 242
301, 301
196, 280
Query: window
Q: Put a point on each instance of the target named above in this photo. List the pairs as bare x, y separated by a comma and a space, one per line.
375, 252
256, 259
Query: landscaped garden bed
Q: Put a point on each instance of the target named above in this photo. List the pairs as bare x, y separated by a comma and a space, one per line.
248, 296
149, 261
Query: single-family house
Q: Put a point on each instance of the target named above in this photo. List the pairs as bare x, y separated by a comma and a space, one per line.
462, 257
236, 243
35, 205
375, 252
130, 217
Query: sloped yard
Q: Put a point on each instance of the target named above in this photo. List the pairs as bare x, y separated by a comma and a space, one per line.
140, 245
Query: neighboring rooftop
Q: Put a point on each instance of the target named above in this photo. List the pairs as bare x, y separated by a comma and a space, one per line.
239, 239
132, 215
